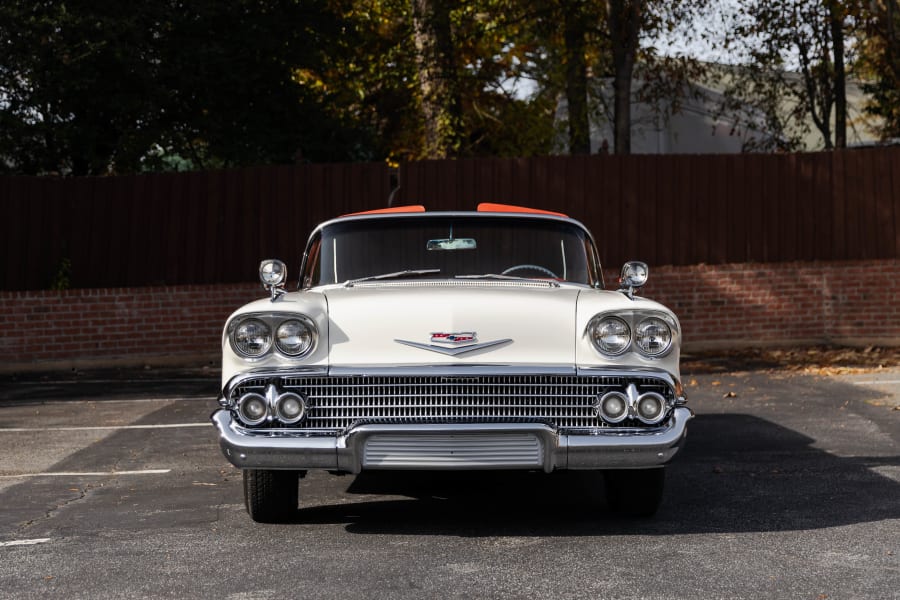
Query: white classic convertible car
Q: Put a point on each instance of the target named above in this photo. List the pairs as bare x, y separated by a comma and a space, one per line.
451, 340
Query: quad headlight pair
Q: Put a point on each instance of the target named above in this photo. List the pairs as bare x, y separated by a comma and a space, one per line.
651, 335
254, 336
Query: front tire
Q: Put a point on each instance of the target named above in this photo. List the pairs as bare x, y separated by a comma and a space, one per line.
635, 492
270, 496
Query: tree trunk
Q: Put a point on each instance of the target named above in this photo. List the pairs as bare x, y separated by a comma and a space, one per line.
840, 85
624, 26
576, 79
441, 105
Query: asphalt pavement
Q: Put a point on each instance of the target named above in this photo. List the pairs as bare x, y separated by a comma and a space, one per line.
112, 486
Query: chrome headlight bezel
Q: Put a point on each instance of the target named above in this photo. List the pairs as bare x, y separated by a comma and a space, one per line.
273, 322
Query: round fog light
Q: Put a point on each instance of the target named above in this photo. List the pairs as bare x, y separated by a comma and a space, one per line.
253, 409
613, 407
650, 407
291, 407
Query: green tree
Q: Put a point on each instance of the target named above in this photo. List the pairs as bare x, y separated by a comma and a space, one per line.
438, 78
89, 88
796, 53
880, 65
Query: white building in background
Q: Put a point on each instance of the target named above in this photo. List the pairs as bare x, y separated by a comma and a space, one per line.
699, 126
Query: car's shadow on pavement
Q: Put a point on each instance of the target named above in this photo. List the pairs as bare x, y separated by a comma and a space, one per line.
738, 473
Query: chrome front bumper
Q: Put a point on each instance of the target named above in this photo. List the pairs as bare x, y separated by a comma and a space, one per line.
458, 446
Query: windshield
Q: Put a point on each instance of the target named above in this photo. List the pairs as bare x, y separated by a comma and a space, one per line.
450, 247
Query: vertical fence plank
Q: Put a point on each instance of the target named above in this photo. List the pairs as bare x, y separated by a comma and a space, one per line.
233, 247
83, 215
119, 249
717, 203
646, 215
823, 245
576, 174
882, 205
805, 212
700, 211
29, 222
213, 208
735, 194
11, 244
630, 219
665, 214
787, 207
867, 216
750, 185
894, 165
852, 200
611, 216
838, 205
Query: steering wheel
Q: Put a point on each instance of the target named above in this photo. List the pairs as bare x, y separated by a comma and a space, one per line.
538, 268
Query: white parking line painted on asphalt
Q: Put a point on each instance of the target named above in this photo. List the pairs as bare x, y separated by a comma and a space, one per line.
878, 382
24, 542
104, 402
88, 474
108, 381
101, 428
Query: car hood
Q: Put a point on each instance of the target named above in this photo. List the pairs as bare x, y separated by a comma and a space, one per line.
452, 323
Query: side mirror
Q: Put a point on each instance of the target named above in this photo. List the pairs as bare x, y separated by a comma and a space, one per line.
273, 274
634, 276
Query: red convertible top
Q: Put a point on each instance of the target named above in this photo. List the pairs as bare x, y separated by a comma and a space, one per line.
483, 207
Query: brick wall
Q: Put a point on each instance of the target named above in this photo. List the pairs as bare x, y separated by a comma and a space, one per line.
740, 305
726, 306
117, 326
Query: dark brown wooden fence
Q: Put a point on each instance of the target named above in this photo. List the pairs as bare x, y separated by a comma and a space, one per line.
190, 228
682, 209
213, 227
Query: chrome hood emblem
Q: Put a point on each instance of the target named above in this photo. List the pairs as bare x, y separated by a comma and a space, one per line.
454, 343
455, 339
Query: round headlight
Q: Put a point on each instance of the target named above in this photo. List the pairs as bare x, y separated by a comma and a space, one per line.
610, 335
251, 338
294, 337
653, 336
651, 407
253, 408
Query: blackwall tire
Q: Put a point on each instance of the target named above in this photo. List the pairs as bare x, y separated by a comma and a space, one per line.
271, 496
635, 492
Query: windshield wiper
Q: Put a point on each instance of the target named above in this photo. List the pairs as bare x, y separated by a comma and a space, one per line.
507, 277
394, 275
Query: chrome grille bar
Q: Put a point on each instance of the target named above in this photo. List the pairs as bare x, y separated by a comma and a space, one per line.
338, 403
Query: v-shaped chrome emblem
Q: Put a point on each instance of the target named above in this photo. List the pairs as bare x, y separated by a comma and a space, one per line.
453, 351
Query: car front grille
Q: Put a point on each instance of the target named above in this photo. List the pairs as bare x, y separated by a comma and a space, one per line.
562, 401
